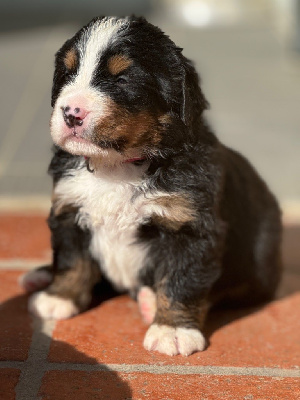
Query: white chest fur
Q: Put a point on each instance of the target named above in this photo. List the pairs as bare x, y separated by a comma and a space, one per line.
112, 213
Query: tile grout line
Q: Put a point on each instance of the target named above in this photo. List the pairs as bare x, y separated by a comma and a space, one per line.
16, 264
205, 370
33, 369
157, 369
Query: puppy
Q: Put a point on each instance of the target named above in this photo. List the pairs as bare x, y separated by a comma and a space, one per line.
144, 194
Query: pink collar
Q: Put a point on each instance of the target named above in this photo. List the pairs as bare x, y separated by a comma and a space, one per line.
132, 160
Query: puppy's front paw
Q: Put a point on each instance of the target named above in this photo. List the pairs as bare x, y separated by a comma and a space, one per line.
35, 280
47, 306
173, 341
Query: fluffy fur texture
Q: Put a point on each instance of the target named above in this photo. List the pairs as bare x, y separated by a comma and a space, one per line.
145, 194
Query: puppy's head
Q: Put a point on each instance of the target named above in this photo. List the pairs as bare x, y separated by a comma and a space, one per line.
120, 88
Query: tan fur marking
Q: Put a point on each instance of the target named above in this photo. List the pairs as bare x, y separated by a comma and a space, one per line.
76, 283
176, 314
178, 211
70, 59
167, 223
135, 130
118, 64
165, 119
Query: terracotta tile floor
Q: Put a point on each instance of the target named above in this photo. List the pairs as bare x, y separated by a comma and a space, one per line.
253, 353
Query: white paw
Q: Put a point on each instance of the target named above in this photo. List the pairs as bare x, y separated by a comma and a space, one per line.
35, 280
173, 341
51, 307
147, 304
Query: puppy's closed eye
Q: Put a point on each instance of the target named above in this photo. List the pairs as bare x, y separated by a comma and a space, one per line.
122, 80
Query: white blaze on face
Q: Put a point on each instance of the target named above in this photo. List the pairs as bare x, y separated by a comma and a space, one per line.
80, 94
92, 44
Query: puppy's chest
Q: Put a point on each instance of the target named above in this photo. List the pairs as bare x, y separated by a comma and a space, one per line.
114, 224
112, 213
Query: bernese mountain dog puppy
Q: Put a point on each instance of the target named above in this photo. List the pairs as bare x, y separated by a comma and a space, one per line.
144, 193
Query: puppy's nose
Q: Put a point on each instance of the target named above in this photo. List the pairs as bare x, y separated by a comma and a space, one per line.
73, 116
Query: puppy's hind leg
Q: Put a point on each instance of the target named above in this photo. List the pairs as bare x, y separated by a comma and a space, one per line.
74, 272
267, 257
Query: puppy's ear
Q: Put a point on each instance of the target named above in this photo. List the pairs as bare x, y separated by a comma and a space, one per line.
193, 100
59, 76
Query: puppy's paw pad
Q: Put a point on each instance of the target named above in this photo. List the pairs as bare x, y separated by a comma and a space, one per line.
173, 341
47, 306
147, 304
35, 280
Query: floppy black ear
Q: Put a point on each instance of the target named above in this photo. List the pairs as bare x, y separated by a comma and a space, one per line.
59, 76
58, 80
193, 100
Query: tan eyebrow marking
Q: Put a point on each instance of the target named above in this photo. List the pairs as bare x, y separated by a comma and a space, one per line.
70, 59
118, 63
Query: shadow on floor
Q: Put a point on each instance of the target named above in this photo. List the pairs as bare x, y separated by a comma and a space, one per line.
290, 283
15, 320
58, 381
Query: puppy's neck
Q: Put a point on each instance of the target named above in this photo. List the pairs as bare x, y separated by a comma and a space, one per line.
128, 170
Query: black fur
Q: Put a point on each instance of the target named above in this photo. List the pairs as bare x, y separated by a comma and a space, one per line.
231, 250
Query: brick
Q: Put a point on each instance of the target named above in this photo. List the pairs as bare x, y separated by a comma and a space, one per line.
15, 322
8, 380
107, 385
24, 237
113, 333
266, 337
110, 333
65, 385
